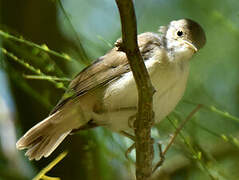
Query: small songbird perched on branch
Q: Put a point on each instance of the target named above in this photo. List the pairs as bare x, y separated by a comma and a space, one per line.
105, 93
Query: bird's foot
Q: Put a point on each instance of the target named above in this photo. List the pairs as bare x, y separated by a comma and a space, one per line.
162, 157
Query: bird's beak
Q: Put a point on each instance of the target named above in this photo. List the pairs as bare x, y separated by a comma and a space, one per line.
192, 46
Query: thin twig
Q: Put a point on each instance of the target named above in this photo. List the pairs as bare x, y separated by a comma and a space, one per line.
39, 77
144, 118
212, 108
37, 71
31, 44
163, 153
42, 173
81, 49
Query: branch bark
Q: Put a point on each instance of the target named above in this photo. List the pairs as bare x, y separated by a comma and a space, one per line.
144, 118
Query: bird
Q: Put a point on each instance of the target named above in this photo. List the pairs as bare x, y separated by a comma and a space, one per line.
105, 93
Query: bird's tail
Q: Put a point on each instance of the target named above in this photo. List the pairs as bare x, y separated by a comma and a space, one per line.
42, 139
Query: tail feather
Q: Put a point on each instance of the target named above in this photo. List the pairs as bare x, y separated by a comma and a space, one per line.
42, 139
54, 143
32, 151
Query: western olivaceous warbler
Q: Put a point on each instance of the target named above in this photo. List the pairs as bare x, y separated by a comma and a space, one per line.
105, 93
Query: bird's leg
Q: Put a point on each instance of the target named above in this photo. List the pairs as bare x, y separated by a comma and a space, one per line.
131, 121
128, 135
98, 110
130, 149
161, 155
131, 125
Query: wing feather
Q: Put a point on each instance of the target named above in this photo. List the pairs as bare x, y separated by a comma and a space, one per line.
107, 68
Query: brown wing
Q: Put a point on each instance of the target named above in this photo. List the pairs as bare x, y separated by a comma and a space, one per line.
102, 70
107, 68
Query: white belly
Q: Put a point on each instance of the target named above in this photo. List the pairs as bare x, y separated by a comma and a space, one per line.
165, 101
169, 82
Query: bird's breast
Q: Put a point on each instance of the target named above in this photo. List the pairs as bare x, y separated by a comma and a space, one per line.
170, 84
168, 80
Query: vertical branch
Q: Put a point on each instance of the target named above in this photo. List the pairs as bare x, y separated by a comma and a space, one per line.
144, 119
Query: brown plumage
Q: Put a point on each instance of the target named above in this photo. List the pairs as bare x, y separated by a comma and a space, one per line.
105, 94
42, 139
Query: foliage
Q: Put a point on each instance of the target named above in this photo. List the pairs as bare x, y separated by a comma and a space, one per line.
207, 147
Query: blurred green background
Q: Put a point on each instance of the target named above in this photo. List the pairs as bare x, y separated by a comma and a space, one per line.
208, 147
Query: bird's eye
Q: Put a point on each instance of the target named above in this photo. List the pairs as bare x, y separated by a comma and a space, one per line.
180, 33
